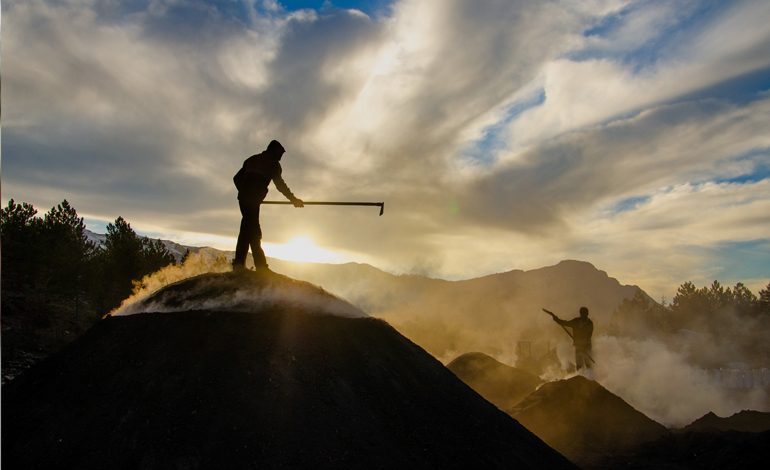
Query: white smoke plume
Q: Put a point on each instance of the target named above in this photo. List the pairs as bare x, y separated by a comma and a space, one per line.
664, 384
200, 262
669, 388
240, 292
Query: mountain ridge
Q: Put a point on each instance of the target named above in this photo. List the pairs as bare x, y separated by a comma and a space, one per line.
449, 317
742, 421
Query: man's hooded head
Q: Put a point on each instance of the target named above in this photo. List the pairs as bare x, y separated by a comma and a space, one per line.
275, 149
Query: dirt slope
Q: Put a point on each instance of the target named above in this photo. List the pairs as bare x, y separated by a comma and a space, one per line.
281, 386
503, 385
584, 421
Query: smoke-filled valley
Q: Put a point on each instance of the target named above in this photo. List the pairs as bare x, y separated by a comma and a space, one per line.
673, 362
659, 367
707, 351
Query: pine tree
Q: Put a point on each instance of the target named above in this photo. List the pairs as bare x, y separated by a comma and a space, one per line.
690, 305
119, 262
744, 301
69, 251
155, 255
764, 300
22, 252
637, 316
126, 258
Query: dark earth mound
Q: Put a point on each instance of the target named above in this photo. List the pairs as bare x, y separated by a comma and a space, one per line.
36, 326
743, 421
584, 421
697, 450
503, 385
243, 291
281, 387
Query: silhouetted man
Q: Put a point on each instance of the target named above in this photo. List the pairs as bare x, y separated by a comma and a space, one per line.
252, 181
582, 329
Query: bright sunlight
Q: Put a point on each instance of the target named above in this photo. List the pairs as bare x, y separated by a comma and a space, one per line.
301, 249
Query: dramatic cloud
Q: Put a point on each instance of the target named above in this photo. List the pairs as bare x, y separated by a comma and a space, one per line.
501, 134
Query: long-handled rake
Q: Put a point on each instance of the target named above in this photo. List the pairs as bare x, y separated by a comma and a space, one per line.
381, 205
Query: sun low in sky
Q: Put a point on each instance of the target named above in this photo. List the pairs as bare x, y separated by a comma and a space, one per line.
503, 134
303, 249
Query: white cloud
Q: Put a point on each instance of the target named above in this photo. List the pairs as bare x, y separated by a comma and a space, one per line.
586, 92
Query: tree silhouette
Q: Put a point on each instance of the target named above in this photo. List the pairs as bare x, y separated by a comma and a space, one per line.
126, 258
764, 300
22, 251
56, 283
637, 316
69, 252
743, 299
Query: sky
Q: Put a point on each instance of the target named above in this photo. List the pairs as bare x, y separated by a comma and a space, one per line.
501, 134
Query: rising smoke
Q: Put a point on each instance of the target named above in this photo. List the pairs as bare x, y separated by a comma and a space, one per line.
673, 377
200, 262
671, 388
203, 289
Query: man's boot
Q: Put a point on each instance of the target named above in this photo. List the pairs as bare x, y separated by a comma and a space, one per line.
260, 261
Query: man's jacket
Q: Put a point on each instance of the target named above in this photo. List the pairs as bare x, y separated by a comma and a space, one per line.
582, 329
255, 175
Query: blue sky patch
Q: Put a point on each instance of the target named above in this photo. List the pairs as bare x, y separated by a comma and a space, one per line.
742, 260
492, 139
629, 204
650, 51
370, 7
760, 169
742, 89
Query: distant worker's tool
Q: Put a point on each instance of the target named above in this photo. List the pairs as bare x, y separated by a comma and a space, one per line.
381, 205
562, 326
582, 346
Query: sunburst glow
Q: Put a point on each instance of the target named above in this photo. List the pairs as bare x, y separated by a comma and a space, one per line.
301, 248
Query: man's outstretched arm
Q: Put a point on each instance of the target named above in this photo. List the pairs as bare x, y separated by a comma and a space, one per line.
555, 318
281, 185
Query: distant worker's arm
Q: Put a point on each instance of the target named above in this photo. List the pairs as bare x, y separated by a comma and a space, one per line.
553, 315
281, 185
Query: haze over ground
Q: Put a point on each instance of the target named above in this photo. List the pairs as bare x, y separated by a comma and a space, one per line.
672, 377
502, 134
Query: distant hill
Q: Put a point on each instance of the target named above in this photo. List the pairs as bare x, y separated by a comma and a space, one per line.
255, 372
743, 421
176, 249
502, 385
584, 421
487, 314
451, 317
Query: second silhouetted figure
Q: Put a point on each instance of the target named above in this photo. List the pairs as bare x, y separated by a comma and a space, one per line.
252, 181
582, 329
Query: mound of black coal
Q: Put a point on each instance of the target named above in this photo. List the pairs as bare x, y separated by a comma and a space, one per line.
584, 421
743, 421
241, 291
280, 386
696, 450
503, 385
